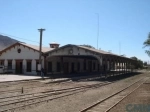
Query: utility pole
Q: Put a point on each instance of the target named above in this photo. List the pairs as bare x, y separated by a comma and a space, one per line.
40, 53
97, 28
119, 48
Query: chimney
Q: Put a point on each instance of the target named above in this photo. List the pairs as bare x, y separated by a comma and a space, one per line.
54, 45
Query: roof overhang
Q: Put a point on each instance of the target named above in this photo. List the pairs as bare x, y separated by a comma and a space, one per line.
13, 45
94, 51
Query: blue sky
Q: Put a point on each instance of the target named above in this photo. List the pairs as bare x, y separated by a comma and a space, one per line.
75, 22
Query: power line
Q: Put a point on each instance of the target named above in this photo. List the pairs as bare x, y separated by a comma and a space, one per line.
14, 37
18, 37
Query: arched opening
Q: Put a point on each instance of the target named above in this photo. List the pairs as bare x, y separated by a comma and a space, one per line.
72, 65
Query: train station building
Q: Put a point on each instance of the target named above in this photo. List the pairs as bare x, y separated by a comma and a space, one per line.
22, 58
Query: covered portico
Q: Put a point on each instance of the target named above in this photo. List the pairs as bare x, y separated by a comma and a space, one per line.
72, 64
71, 59
116, 65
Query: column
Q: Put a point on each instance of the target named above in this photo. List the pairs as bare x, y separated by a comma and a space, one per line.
130, 67
105, 68
108, 68
5, 65
24, 66
126, 67
13, 65
119, 67
116, 62
121, 64
113, 64
5, 62
62, 67
33, 66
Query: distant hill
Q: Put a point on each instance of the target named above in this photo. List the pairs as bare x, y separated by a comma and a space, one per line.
6, 41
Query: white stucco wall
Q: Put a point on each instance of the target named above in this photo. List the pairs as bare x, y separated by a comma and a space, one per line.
53, 57
25, 54
76, 51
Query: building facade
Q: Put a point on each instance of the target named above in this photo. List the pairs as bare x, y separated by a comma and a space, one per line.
21, 58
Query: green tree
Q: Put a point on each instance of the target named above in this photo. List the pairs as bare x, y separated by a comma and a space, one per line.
145, 63
147, 44
89, 46
134, 58
138, 63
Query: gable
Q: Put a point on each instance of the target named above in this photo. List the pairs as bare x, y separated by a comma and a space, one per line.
25, 52
80, 50
71, 50
16, 45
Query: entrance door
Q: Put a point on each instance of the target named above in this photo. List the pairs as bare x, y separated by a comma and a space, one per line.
98, 67
19, 67
72, 67
90, 66
66, 68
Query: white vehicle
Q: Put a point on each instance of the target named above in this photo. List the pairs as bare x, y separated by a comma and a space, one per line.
1, 69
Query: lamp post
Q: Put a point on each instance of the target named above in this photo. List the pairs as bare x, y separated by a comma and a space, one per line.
97, 28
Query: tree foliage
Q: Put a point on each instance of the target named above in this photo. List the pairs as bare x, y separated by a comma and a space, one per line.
134, 58
147, 44
89, 46
145, 63
138, 62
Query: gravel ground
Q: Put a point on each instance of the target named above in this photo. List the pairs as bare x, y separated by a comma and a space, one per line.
77, 102
46, 83
139, 97
35, 87
16, 85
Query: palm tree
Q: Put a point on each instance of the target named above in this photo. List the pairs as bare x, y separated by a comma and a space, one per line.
147, 44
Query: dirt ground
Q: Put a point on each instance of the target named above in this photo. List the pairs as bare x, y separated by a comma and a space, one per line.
77, 102
136, 101
71, 103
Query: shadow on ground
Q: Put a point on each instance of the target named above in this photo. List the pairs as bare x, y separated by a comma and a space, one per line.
92, 77
110, 79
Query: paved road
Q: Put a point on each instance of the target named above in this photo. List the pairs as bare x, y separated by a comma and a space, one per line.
12, 77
